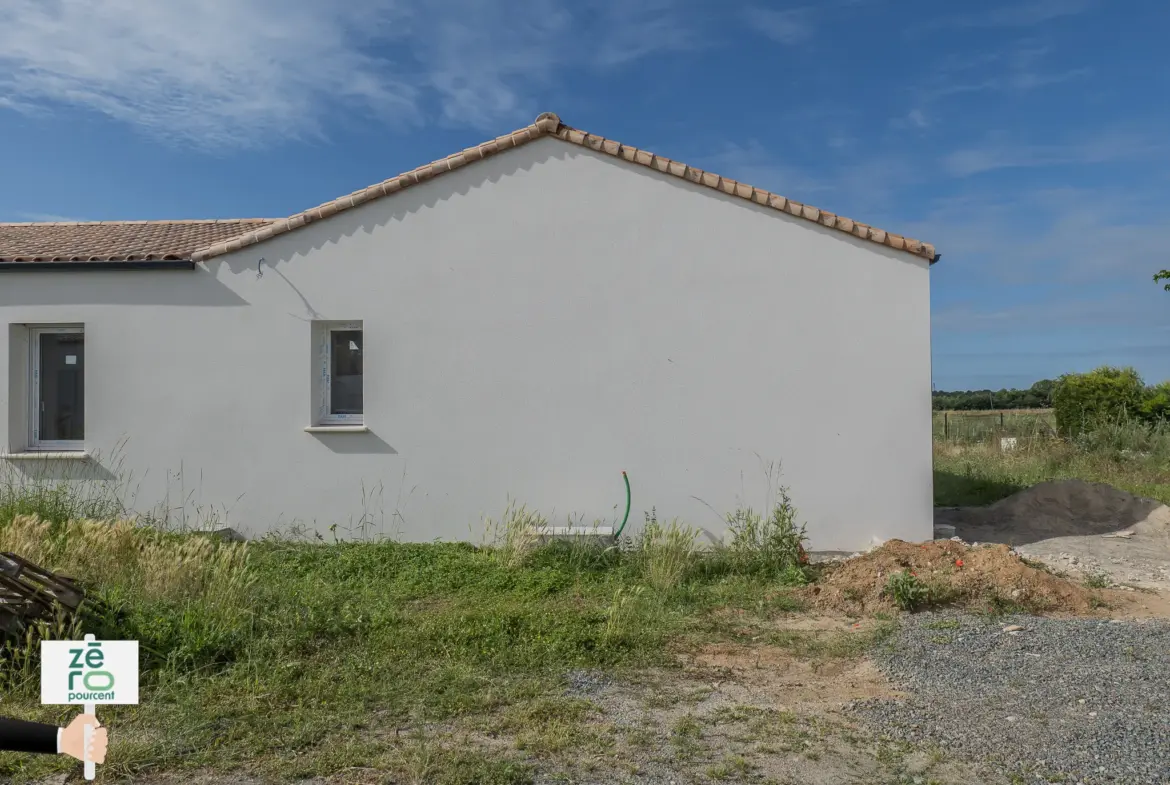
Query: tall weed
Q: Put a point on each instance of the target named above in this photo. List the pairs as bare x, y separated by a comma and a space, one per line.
772, 546
665, 553
516, 535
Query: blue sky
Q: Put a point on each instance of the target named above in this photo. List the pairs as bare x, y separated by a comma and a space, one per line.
1028, 141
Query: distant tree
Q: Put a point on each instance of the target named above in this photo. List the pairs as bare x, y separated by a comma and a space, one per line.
1156, 403
1038, 396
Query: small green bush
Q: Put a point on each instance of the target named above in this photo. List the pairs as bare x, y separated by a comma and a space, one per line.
772, 546
1085, 401
907, 591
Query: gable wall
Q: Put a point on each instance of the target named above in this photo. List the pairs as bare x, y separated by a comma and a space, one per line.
534, 324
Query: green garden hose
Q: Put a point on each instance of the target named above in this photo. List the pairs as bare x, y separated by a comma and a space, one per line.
618, 533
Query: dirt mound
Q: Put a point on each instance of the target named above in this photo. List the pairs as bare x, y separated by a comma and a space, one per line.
1062, 508
990, 577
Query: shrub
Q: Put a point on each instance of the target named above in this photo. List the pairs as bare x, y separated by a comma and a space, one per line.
907, 591
1155, 405
773, 546
1085, 401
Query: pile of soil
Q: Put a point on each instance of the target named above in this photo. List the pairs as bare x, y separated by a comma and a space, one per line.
1085, 527
989, 576
1060, 508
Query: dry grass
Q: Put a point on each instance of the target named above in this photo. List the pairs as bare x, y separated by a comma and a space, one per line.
669, 552
135, 558
515, 535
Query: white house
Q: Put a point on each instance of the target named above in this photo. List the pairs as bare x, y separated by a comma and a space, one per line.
522, 320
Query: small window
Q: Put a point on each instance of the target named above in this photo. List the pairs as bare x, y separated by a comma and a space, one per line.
341, 387
57, 388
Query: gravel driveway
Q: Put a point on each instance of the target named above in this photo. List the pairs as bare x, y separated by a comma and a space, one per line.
1058, 701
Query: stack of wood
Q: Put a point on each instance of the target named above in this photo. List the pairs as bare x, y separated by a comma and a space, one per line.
30, 593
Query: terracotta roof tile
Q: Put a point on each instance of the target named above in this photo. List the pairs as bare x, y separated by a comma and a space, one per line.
548, 124
116, 240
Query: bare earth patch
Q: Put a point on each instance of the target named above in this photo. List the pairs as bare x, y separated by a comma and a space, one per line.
789, 683
754, 713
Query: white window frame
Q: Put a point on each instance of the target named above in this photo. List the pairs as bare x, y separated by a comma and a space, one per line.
325, 416
35, 443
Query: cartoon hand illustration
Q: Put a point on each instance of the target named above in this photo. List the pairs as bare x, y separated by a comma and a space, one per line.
73, 739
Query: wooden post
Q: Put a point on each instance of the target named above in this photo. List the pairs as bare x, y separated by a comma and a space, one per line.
1001, 420
946, 426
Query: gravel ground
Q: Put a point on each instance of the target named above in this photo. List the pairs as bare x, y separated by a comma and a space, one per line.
1074, 700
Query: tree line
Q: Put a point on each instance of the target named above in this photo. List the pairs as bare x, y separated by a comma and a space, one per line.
1081, 401
1038, 396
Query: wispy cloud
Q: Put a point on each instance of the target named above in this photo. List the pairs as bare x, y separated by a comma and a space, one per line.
1024, 14
622, 31
237, 72
1106, 236
1002, 153
46, 217
1018, 81
791, 26
915, 118
1123, 309
216, 71
1018, 68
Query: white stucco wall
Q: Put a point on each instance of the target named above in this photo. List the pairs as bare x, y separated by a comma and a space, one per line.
534, 324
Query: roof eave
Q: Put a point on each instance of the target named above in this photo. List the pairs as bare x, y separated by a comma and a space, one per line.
74, 266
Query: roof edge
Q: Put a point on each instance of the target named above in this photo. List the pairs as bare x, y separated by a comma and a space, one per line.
549, 124
183, 221
102, 264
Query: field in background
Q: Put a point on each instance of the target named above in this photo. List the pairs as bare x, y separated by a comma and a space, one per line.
1135, 458
972, 427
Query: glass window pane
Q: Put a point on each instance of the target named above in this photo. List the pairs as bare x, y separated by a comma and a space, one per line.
62, 386
345, 353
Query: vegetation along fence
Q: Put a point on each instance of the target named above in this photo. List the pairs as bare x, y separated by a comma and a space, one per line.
989, 426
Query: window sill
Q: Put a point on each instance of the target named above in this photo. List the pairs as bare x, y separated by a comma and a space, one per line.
46, 455
337, 429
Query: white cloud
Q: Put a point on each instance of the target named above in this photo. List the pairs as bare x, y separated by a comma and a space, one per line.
1107, 236
1029, 13
211, 71
1024, 14
1060, 312
233, 73
915, 118
1001, 153
787, 27
46, 217
1016, 68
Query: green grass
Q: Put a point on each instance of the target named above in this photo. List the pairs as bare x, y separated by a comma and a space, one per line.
298, 659
1133, 459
